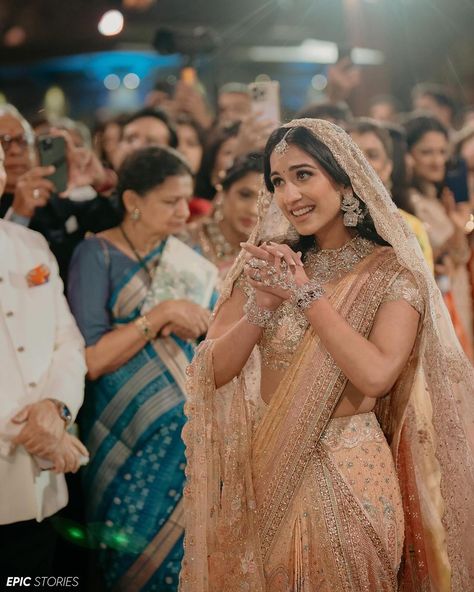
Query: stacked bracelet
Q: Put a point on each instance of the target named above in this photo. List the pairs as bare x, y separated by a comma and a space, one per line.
144, 326
257, 315
304, 296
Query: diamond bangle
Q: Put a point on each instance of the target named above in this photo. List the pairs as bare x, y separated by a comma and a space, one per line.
257, 315
304, 296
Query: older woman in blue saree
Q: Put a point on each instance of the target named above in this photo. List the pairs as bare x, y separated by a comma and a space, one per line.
133, 414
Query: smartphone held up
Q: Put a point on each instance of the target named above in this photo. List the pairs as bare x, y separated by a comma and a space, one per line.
456, 179
52, 151
265, 97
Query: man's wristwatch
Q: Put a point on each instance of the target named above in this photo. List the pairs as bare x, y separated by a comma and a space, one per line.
63, 410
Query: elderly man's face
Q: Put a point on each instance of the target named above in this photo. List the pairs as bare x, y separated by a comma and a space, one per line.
18, 153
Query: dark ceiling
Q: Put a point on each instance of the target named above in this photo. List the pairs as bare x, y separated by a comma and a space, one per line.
422, 39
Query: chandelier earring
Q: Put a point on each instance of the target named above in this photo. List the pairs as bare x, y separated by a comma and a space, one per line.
218, 214
135, 215
350, 205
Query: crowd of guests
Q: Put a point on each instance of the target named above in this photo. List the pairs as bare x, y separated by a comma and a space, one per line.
172, 168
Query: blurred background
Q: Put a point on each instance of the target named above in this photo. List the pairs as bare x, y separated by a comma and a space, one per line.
54, 56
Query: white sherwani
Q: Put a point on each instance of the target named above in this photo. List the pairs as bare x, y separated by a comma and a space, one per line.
42, 356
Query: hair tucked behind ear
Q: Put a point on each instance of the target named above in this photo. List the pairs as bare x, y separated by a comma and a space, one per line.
306, 141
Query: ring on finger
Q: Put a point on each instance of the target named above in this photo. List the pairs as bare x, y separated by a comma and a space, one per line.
255, 263
36, 193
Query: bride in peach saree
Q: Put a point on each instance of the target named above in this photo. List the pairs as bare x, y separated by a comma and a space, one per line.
330, 412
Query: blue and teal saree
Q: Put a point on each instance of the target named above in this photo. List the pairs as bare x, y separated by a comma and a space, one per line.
131, 423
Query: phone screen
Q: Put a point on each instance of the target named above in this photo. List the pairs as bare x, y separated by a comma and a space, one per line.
456, 179
52, 151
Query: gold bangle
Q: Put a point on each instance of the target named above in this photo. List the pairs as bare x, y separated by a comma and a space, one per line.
144, 326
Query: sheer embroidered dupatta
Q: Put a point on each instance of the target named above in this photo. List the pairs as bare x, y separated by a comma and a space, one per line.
428, 419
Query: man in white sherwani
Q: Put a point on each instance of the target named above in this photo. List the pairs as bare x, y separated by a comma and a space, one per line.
41, 390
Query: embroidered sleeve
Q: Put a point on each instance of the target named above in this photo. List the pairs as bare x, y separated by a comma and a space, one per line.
404, 288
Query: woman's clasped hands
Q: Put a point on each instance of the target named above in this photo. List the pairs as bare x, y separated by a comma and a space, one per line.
183, 318
274, 271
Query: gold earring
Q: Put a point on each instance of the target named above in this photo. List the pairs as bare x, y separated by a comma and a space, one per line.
135, 215
218, 214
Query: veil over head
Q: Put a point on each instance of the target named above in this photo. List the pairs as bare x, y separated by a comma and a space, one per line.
439, 417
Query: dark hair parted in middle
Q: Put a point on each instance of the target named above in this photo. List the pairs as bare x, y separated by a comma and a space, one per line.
417, 126
305, 140
148, 168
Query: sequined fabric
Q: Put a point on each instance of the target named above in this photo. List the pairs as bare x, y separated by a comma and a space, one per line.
354, 477
404, 288
351, 431
250, 506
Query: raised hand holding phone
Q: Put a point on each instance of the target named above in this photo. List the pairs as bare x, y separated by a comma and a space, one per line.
265, 96
52, 152
80, 166
456, 179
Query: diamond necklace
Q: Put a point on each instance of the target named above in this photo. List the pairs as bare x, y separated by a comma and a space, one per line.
328, 265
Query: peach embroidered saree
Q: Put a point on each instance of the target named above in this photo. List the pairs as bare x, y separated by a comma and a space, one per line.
284, 498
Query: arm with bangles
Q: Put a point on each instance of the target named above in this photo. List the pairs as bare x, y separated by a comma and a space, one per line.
371, 364
117, 347
234, 336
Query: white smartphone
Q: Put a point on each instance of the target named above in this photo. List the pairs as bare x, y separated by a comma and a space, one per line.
265, 97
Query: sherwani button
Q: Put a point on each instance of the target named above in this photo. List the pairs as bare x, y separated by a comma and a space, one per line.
20, 349
9, 313
32, 384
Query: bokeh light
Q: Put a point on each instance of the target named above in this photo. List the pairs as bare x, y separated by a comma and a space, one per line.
112, 82
111, 23
319, 82
131, 81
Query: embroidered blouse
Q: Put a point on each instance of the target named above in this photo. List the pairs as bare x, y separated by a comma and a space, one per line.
281, 338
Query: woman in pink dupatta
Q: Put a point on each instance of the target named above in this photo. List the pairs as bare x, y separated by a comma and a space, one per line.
330, 411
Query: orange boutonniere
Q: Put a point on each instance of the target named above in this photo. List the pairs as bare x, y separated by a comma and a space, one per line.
38, 276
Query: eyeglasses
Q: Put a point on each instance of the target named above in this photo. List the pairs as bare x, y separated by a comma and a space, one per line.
6, 141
